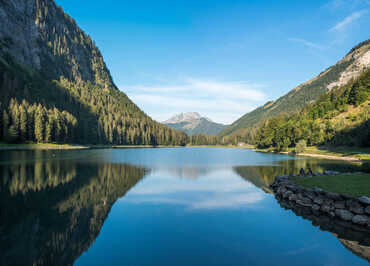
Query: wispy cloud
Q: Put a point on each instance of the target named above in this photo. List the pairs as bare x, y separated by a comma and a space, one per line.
228, 90
220, 189
307, 43
222, 101
349, 20
211, 202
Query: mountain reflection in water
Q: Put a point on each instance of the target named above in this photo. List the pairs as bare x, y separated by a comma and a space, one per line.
53, 204
51, 211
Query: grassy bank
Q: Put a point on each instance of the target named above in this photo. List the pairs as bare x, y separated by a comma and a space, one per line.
350, 184
51, 146
40, 146
340, 153
359, 153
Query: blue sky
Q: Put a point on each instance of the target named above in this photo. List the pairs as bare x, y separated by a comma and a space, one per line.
221, 58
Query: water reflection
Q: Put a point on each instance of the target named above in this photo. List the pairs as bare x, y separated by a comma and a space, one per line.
203, 201
262, 175
353, 237
213, 190
51, 211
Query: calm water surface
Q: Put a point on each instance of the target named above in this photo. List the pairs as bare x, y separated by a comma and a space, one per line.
183, 206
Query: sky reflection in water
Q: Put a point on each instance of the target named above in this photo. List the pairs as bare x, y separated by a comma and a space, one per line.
187, 206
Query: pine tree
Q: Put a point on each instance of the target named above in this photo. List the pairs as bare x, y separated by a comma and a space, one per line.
39, 124
48, 131
5, 125
23, 123
12, 134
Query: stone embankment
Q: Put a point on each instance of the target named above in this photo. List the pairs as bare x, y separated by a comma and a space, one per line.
337, 206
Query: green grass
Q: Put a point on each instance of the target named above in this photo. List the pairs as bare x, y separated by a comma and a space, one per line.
52, 146
356, 185
40, 146
360, 153
357, 153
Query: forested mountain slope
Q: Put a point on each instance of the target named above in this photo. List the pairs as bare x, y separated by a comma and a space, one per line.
351, 66
55, 86
339, 118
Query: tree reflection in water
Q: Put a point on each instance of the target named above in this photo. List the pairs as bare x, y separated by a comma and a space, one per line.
52, 210
354, 238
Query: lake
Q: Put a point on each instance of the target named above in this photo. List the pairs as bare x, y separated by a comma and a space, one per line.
168, 206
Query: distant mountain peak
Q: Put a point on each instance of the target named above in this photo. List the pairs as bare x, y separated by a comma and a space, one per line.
193, 123
184, 117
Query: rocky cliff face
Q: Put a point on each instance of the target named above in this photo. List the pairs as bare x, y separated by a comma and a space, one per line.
38, 34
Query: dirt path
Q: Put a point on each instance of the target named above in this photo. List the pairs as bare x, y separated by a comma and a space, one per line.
331, 157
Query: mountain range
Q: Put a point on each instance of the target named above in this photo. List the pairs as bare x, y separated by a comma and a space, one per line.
346, 69
56, 87
193, 123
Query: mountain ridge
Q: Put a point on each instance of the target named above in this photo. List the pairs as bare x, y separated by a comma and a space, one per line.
349, 67
56, 86
192, 123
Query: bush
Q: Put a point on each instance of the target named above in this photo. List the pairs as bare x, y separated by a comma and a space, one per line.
365, 167
300, 146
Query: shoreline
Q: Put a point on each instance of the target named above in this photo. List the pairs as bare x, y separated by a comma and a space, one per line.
46, 146
319, 156
49, 146
313, 155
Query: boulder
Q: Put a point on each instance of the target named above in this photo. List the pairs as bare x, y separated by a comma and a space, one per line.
287, 193
309, 194
333, 196
318, 200
328, 172
340, 204
344, 214
315, 207
367, 210
326, 208
360, 219
293, 197
304, 203
364, 200
355, 206
328, 201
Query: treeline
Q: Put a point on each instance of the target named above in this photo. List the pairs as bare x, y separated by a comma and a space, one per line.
38, 110
23, 122
320, 122
201, 139
67, 94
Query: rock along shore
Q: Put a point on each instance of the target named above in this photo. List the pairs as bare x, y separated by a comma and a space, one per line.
338, 206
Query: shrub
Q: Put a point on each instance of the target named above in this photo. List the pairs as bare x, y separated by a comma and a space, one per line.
301, 146
365, 167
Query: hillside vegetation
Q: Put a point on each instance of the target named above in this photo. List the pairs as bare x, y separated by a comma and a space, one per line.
55, 86
351, 66
338, 118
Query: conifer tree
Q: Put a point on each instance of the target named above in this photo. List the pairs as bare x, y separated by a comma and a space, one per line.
5, 124
23, 124
39, 124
